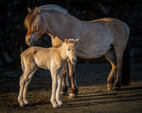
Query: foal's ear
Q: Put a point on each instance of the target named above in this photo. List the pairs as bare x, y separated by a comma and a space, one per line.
66, 40
37, 9
76, 40
29, 10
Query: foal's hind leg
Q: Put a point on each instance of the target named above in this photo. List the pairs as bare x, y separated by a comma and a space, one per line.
26, 87
22, 82
110, 56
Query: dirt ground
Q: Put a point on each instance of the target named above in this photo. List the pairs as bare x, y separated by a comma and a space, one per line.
93, 96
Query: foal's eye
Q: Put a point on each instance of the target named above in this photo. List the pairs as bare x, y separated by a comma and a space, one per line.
68, 49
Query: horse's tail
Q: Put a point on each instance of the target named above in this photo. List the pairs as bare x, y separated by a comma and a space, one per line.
126, 61
22, 63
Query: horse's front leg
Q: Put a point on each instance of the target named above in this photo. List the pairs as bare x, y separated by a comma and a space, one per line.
65, 83
74, 89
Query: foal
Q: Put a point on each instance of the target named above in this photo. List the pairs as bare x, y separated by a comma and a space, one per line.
54, 59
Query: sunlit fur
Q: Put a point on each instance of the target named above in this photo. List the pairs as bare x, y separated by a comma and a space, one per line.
54, 59
106, 36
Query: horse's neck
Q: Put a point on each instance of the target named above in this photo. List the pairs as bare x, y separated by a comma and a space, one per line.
56, 20
62, 51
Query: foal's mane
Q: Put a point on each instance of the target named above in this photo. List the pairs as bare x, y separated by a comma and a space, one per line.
32, 14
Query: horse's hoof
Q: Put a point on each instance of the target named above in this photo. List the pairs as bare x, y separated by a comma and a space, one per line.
72, 95
116, 88
63, 93
109, 87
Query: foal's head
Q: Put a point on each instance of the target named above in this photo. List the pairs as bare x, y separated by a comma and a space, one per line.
71, 49
34, 23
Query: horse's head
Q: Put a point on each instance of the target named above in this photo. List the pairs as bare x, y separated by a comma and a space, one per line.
71, 49
35, 26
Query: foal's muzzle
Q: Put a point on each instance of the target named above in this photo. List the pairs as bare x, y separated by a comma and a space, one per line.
30, 41
74, 60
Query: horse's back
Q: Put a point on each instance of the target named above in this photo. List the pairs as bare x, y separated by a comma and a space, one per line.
119, 29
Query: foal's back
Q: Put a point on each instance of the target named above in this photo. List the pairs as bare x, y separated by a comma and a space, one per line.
38, 56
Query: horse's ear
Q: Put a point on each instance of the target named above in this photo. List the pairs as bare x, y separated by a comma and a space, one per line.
66, 40
38, 10
76, 40
29, 10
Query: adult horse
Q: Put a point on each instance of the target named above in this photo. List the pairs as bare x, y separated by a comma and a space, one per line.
106, 36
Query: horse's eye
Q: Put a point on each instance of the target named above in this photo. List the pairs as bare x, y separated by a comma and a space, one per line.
68, 49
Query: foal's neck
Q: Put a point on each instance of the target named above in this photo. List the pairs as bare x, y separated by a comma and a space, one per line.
62, 51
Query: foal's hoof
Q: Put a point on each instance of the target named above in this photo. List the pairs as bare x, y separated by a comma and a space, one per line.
55, 106
26, 102
22, 105
60, 103
72, 95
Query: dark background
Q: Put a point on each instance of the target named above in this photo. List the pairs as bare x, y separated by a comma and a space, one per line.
12, 30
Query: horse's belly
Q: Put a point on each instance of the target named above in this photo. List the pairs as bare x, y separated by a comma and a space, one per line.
90, 55
93, 49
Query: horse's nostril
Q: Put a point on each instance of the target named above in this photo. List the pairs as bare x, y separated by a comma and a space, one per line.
29, 40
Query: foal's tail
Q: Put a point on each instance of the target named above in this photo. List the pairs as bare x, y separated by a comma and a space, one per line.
22, 63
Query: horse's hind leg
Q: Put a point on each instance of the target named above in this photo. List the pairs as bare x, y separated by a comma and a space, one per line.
110, 56
119, 55
26, 87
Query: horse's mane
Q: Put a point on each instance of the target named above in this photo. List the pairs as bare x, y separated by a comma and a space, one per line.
30, 18
57, 46
32, 14
54, 7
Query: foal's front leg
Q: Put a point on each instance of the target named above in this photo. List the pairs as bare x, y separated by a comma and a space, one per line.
58, 93
54, 87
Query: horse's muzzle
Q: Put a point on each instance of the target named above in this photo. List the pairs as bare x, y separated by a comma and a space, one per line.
30, 41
